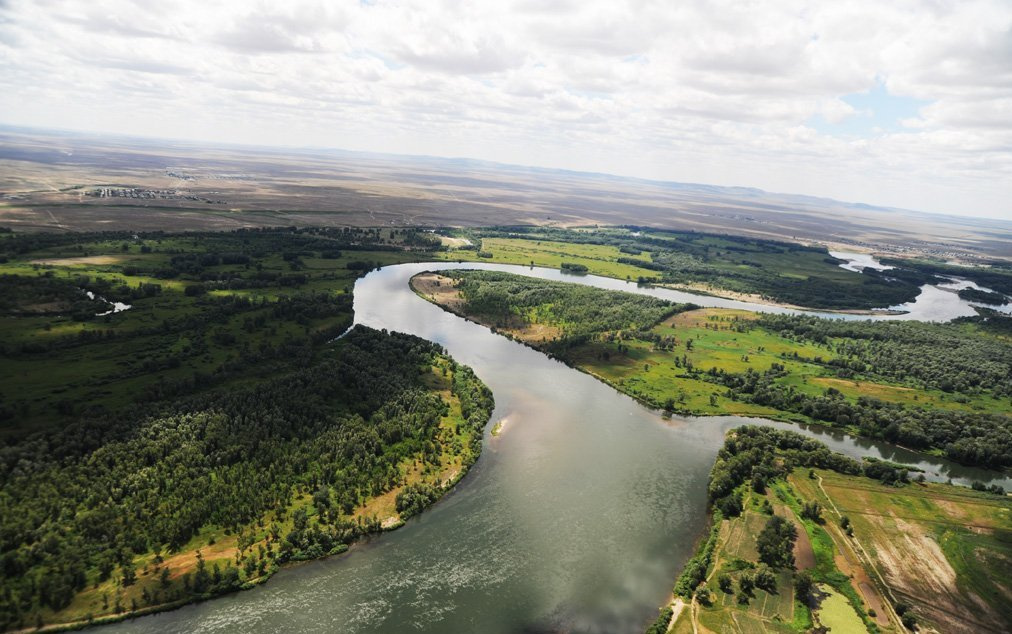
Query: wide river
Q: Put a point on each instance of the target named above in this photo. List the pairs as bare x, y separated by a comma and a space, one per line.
577, 517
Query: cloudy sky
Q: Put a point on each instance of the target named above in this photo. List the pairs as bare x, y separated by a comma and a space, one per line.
905, 103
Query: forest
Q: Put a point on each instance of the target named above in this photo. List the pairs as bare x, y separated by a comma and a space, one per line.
939, 388
576, 310
231, 435
780, 271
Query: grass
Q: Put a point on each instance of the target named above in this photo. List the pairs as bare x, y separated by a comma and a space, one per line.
779, 611
645, 371
969, 527
836, 613
735, 555
720, 340
599, 259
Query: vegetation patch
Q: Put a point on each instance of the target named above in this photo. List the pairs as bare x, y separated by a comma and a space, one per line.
765, 482
940, 388
765, 269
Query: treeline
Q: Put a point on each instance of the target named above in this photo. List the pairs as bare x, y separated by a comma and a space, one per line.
972, 438
79, 504
22, 295
575, 309
226, 246
934, 356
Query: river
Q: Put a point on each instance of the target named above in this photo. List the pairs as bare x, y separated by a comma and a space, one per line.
576, 518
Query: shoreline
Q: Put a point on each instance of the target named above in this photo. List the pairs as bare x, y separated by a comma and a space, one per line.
73, 626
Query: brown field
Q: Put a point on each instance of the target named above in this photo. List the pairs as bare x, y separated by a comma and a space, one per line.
47, 182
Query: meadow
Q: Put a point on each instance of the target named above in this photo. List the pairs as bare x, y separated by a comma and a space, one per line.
749, 268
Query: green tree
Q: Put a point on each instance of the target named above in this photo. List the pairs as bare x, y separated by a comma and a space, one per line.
775, 543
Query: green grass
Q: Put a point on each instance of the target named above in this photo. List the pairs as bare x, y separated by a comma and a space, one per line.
836, 613
644, 371
599, 259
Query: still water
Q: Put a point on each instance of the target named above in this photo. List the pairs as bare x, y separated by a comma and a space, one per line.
577, 517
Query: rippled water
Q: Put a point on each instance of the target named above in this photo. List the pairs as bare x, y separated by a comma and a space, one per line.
577, 518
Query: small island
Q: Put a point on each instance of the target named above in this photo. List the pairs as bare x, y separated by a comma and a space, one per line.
983, 297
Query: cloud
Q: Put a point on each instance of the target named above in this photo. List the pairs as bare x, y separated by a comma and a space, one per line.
715, 91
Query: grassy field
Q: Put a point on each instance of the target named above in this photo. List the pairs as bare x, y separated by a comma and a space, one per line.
708, 338
754, 270
736, 556
934, 555
599, 259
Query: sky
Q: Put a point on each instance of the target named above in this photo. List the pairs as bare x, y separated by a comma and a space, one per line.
904, 103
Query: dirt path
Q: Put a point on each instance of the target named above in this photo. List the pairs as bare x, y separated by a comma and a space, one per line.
677, 605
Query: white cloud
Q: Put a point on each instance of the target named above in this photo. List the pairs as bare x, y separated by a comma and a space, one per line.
716, 92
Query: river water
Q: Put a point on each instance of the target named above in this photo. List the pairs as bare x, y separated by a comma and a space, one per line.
577, 517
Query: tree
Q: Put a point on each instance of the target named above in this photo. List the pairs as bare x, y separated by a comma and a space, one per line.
766, 580
803, 586
129, 575
724, 582
813, 511
775, 543
702, 594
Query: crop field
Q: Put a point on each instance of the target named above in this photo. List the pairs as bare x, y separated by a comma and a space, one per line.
944, 550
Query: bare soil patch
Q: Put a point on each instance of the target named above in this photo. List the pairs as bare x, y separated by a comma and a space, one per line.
438, 289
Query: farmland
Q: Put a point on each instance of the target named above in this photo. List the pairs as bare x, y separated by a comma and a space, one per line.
880, 557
